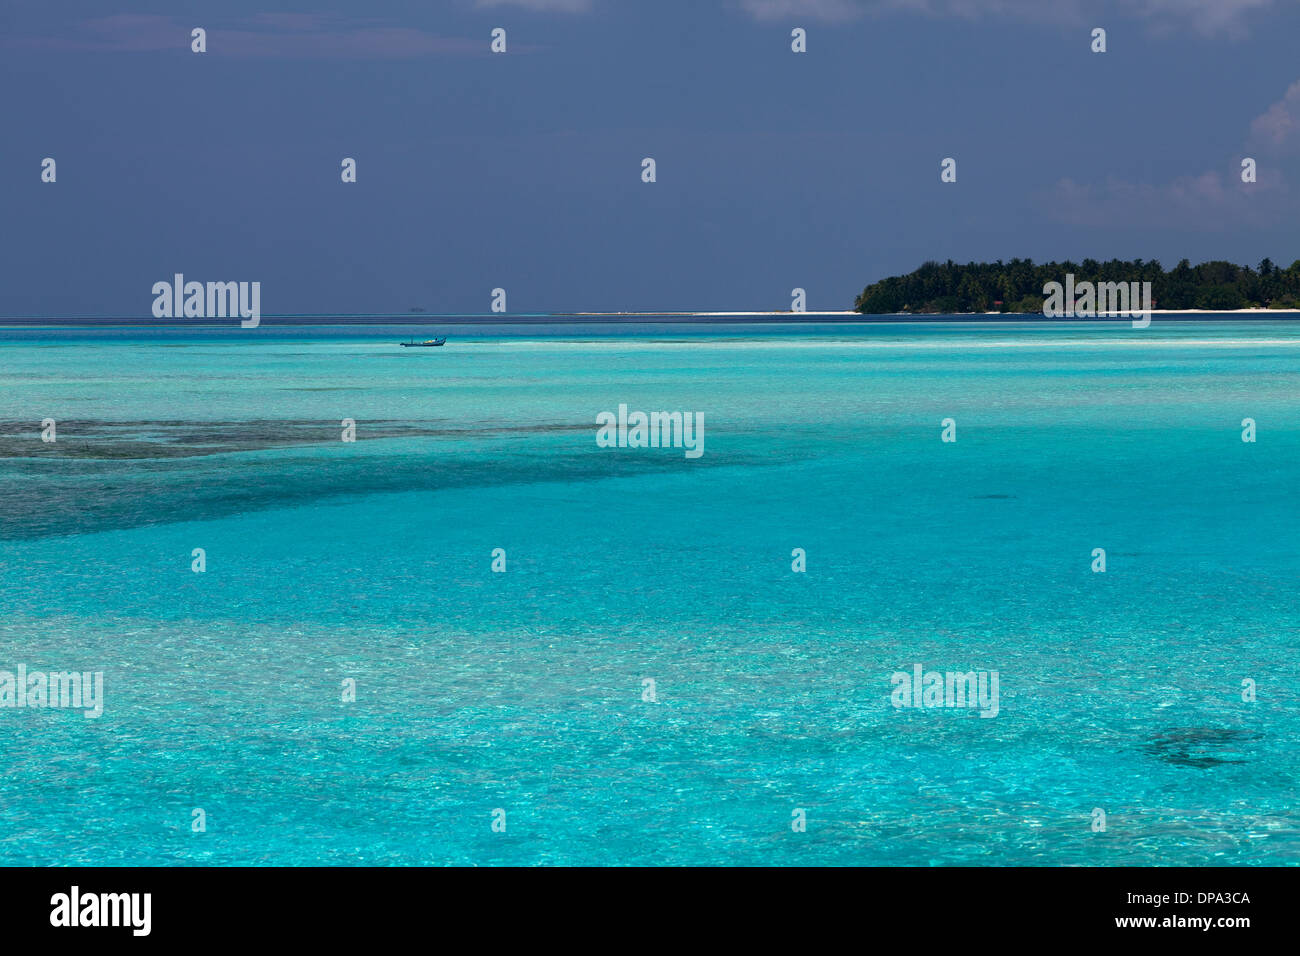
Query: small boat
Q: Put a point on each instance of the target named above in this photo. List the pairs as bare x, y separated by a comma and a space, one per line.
426, 344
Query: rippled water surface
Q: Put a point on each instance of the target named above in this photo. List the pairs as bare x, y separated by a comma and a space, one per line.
372, 561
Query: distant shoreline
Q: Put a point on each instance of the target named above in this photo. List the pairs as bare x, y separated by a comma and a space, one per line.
1021, 285
628, 318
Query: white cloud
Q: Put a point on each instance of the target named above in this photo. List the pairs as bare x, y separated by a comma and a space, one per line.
1207, 16
1278, 127
1204, 201
814, 9
265, 34
542, 6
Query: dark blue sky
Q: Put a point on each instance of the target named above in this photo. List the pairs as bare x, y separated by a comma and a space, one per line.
523, 170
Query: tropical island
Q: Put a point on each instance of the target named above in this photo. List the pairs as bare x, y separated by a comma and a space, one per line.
1017, 286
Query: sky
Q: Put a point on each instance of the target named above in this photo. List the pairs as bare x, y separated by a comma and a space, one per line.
523, 170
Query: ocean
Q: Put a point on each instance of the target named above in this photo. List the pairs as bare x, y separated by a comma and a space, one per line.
644, 678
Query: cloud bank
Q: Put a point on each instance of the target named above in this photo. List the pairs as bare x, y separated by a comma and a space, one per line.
265, 34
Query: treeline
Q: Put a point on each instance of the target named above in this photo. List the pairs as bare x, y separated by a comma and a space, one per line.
1017, 286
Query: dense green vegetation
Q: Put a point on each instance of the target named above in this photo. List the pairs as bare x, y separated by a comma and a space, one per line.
1017, 286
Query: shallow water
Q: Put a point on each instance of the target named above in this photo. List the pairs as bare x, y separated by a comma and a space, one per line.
371, 560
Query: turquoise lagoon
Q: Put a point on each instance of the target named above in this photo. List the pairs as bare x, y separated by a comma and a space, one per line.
523, 691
